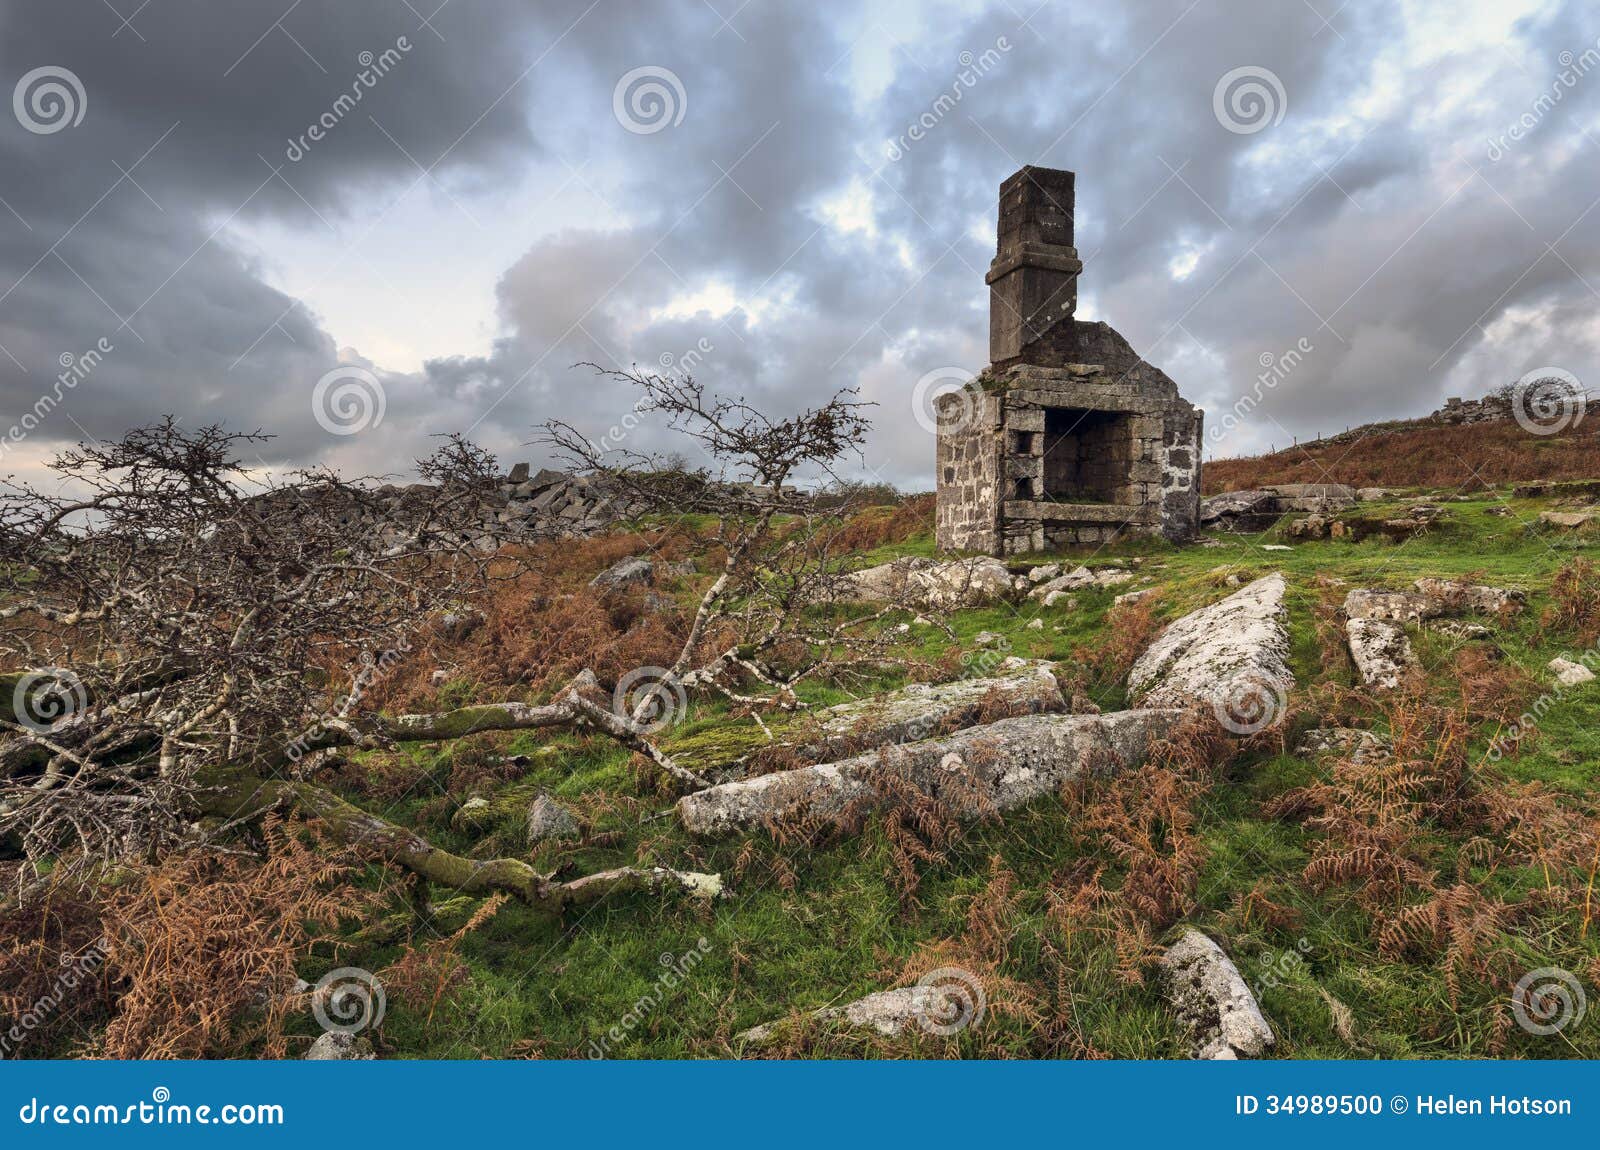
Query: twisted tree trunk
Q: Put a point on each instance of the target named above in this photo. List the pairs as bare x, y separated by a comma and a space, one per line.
234, 794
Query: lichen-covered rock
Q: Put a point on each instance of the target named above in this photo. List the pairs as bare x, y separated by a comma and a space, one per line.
928, 583
338, 1046
1570, 674
1432, 599
1566, 519
1079, 578
1235, 648
473, 814
1395, 606
1452, 597
1458, 630
939, 1007
1212, 999
1381, 651
457, 625
1351, 742
1252, 510
548, 819
632, 572
1311, 527
1312, 496
921, 710
994, 767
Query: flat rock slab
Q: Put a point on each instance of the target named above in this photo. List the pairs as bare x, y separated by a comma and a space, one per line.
1079, 579
994, 767
887, 1012
1570, 674
1212, 999
1232, 652
1453, 597
922, 710
1395, 606
1566, 519
930, 584
1375, 622
1432, 599
632, 572
1358, 745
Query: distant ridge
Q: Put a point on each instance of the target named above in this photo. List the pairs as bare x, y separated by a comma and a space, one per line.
1442, 450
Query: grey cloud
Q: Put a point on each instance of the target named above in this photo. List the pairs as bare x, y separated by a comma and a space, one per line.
1342, 212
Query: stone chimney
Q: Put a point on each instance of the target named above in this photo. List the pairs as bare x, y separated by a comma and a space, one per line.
1069, 437
1033, 281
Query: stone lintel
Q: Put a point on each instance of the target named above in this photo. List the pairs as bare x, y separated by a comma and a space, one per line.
1092, 398
1077, 512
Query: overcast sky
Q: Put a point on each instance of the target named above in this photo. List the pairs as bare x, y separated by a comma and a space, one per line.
1405, 192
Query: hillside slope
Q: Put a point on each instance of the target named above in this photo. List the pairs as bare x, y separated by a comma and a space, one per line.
1420, 453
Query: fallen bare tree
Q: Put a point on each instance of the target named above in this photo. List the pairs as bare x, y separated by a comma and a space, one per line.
179, 625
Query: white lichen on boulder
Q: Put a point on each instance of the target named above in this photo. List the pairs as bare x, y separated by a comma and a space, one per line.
1381, 651
1209, 653
934, 585
1211, 998
994, 767
921, 710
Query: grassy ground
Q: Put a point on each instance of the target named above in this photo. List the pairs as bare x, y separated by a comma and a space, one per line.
809, 927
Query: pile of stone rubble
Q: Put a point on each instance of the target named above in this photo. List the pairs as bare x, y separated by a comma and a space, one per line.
1259, 508
523, 505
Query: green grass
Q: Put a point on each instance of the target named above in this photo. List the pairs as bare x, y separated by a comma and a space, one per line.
559, 987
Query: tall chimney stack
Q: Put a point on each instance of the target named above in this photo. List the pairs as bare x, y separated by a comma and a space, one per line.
1033, 281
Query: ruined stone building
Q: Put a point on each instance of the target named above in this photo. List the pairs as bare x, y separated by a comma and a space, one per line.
1068, 436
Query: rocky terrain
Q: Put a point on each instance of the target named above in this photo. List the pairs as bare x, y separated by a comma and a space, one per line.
1243, 799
